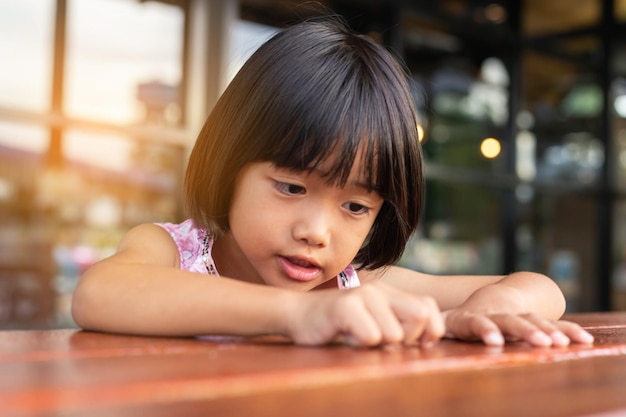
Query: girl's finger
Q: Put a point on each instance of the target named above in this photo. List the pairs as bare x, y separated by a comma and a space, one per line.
520, 327
475, 327
488, 331
576, 333
431, 328
561, 332
549, 327
361, 329
391, 330
404, 318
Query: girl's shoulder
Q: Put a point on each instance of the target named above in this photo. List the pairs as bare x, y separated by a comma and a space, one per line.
189, 241
183, 230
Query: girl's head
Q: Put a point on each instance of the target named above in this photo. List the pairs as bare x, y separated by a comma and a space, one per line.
315, 95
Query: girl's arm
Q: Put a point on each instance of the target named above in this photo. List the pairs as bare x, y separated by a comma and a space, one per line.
519, 306
141, 290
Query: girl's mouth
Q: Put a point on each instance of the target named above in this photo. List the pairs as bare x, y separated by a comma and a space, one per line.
298, 269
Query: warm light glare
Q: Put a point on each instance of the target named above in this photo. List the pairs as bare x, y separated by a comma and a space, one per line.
490, 148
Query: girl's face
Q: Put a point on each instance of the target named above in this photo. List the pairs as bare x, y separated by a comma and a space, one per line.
292, 229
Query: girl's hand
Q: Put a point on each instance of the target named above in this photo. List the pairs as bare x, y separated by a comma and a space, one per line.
495, 329
370, 315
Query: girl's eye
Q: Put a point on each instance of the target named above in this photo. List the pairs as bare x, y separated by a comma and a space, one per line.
356, 208
291, 189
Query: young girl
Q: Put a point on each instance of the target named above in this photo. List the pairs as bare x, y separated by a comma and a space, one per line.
307, 176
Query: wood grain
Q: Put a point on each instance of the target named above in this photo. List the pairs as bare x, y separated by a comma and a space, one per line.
75, 373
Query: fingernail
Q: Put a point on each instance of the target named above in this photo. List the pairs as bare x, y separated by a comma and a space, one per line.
494, 339
559, 339
540, 339
585, 337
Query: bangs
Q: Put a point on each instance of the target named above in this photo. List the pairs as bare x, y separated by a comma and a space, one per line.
329, 128
333, 152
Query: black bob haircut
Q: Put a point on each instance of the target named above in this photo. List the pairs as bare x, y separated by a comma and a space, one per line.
316, 92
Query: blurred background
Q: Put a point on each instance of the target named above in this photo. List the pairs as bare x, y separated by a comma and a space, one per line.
523, 122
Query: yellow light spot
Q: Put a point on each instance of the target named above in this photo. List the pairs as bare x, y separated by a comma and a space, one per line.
420, 133
490, 148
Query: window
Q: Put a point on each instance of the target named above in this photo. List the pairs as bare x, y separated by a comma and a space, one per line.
107, 155
26, 33
124, 61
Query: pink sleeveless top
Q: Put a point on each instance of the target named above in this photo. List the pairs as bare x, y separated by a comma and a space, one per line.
195, 245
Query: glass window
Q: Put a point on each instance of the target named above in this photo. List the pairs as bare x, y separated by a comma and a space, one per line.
468, 115
540, 17
460, 231
123, 66
114, 151
555, 236
619, 136
23, 137
26, 48
137, 162
564, 104
617, 101
141, 178
22, 148
619, 257
620, 10
124, 61
25, 291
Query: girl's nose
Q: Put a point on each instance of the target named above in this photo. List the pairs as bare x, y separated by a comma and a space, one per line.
313, 227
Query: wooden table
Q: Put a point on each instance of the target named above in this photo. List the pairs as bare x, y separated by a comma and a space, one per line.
74, 373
